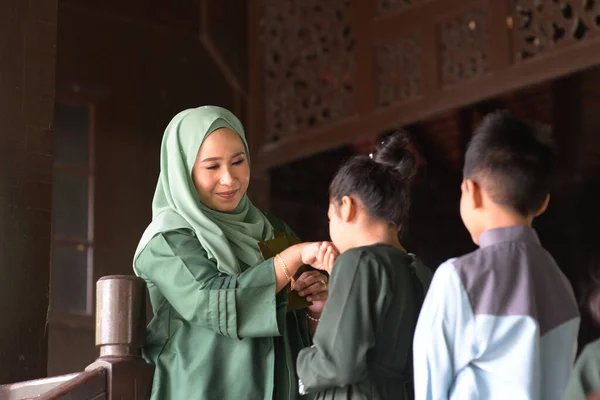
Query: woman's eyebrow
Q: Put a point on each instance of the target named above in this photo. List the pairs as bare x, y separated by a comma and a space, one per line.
220, 158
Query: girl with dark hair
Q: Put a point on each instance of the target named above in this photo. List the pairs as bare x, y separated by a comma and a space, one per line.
363, 345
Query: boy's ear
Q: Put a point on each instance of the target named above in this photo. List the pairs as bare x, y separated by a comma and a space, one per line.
544, 206
472, 191
347, 209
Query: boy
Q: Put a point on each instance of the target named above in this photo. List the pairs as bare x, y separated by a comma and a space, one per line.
501, 322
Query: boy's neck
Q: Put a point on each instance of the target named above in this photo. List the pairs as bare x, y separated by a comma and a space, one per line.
501, 218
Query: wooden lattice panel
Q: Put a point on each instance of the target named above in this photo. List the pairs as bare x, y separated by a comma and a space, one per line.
398, 70
394, 5
412, 59
540, 25
464, 46
310, 64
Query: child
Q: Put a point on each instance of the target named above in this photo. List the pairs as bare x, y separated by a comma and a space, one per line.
362, 346
501, 322
585, 378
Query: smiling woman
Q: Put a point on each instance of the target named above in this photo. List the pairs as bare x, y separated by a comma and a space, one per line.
221, 172
221, 326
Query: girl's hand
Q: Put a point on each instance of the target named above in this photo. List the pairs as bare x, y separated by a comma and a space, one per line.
326, 256
308, 252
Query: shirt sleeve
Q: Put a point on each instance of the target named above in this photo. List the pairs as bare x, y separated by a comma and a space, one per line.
345, 334
444, 340
237, 306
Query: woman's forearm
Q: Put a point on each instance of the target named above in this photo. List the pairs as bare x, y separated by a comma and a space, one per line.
286, 265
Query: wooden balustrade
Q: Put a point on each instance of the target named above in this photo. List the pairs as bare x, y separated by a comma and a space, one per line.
119, 372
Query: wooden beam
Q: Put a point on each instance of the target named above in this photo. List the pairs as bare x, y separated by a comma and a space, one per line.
542, 67
215, 54
364, 81
501, 32
255, 104
390, 24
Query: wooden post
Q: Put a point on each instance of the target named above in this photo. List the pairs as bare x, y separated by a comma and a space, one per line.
120, 336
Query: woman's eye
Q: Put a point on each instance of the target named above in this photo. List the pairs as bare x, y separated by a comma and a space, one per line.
238, 162
213, 167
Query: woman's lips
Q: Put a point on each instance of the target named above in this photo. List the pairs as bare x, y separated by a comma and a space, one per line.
230, 195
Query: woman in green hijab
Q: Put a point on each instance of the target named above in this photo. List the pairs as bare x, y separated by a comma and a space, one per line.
221, 329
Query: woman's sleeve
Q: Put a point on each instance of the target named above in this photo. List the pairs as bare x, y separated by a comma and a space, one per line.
237, 306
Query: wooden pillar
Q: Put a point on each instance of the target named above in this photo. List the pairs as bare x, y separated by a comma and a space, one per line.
27, 62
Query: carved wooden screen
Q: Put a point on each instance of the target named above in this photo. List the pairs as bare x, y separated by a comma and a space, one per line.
328, 72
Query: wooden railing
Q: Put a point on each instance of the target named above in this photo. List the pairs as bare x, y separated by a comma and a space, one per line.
119, 372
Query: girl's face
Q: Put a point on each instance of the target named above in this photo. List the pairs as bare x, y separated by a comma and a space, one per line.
221, 172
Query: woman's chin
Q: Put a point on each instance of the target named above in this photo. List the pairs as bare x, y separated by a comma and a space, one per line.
226, 206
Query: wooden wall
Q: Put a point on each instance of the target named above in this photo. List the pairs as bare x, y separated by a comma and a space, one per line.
138, 63
27, 52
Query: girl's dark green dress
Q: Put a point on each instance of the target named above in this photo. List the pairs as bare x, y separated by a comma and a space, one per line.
363, 344
585, 378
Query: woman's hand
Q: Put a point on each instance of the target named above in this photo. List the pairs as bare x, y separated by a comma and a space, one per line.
315, 287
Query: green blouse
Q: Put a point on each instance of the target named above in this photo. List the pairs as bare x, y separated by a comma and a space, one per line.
218, 336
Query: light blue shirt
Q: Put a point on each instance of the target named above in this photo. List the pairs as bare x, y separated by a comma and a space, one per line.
499, 323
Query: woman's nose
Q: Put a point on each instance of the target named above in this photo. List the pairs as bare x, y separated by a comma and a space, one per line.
226, 178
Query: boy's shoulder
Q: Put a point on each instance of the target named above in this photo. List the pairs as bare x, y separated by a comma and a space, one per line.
492, 262
456, 264
472, 259
511, 250
502, 279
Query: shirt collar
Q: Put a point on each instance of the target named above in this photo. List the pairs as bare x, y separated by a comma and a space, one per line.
517, 233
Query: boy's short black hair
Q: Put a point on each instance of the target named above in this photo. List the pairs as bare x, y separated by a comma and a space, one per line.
513, 161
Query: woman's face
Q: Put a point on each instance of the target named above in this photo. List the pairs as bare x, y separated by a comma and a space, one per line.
221, 172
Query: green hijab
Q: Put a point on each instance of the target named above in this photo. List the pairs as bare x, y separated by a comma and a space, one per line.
227, 237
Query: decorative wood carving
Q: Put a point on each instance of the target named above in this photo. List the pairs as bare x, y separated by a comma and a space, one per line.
464, 46
398, 66
539, 25
415, 59
393, 5
309, 64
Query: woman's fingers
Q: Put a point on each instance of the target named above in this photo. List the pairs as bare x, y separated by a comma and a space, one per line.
311, 282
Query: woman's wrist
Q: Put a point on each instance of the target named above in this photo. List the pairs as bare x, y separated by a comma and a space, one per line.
293, 257
286, 266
